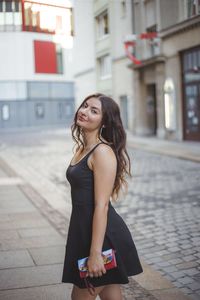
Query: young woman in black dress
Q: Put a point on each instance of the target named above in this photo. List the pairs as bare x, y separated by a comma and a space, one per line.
96, 174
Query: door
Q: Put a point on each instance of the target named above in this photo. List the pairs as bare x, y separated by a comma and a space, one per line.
192, 112
191, 93
151, 109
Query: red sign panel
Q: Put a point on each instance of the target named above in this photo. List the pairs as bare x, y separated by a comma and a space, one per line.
45, 57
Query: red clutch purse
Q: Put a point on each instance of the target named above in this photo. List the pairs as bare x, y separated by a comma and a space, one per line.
109, 262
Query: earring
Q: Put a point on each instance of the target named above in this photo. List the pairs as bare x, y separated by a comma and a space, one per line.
101, 129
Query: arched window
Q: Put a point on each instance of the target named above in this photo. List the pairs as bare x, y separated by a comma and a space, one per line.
170, 105
5, 112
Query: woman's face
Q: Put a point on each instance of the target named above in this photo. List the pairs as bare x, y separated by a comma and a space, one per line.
89, 115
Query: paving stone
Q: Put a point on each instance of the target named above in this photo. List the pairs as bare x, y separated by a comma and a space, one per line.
194, 286
32, 242
39, 231
173, 249
187, 265
48, 255
186, 280
163, 263
188, 246
197, 291
8, 234
48, 292
189, 258
194, 297
24, 220
169, 269
192, 271
13, 259
189, 251
170, 294
175, 261
177, 274
186, 290
30, 276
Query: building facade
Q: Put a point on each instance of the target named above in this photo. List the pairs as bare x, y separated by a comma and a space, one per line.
36, 78
101, 66
167, 82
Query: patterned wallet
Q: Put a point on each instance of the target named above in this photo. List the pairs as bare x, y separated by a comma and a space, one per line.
109, 262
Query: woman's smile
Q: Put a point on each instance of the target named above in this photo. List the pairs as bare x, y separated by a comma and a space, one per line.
80, 118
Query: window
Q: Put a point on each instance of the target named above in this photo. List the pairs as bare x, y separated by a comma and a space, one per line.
170, 105
64, 110
105, 66
16, 6
10, 15
1, 6
193, 8
191, 65
47, 18
123, 8
153, 42
5, 112
39, 110
102, 24
59, 59
8, 6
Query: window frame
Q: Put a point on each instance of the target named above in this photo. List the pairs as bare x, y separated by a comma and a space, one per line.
105, 65
100, 26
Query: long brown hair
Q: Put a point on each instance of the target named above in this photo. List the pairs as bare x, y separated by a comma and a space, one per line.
113, 132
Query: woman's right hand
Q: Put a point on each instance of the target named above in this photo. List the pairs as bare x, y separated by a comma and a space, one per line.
95, 265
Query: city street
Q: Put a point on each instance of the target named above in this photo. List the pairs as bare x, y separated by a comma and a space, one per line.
162, 210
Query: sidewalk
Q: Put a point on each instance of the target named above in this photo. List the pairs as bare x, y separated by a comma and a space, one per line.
184, 149
33, 236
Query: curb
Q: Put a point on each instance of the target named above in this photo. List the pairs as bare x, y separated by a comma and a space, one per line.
167, 149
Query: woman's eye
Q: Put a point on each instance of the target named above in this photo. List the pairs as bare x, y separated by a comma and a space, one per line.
93, 111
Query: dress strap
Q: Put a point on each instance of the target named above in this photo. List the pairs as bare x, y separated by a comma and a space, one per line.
96, 147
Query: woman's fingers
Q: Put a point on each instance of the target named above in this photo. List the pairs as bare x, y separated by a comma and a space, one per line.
97, 273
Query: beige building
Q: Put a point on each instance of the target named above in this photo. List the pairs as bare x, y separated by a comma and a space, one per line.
159, 97
167, 82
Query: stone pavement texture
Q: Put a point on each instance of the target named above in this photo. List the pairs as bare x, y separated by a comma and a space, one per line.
161, 209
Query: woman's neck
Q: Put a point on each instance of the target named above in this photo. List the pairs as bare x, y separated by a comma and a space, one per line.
90, 139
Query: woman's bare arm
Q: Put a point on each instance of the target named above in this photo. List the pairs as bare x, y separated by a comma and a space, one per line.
104, 165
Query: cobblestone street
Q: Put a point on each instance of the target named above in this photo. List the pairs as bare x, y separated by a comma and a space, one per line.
164, 199
162, 206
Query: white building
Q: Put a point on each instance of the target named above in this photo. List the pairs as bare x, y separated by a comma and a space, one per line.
36, 79
100, 60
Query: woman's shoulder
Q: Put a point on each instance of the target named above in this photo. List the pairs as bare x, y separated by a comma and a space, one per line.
104, 151
103, 157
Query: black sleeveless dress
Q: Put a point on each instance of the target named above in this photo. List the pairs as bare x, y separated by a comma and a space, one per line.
117, 234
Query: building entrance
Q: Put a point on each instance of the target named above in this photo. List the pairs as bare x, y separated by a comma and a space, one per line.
191, 92
151, 109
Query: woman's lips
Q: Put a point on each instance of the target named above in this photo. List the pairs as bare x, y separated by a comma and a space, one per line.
81, 119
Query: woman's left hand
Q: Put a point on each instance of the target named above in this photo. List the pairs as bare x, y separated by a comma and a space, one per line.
95, 265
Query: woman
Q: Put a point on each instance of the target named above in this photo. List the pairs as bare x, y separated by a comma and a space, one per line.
96, 174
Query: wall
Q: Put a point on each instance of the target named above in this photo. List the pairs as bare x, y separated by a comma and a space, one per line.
17, 51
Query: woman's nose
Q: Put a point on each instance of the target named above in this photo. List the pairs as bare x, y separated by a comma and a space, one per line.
84, 110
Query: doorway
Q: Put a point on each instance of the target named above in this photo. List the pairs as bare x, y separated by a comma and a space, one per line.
191, 92
151, 109
192, 112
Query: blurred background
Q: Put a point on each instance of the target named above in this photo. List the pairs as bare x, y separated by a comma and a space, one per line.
146, 55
